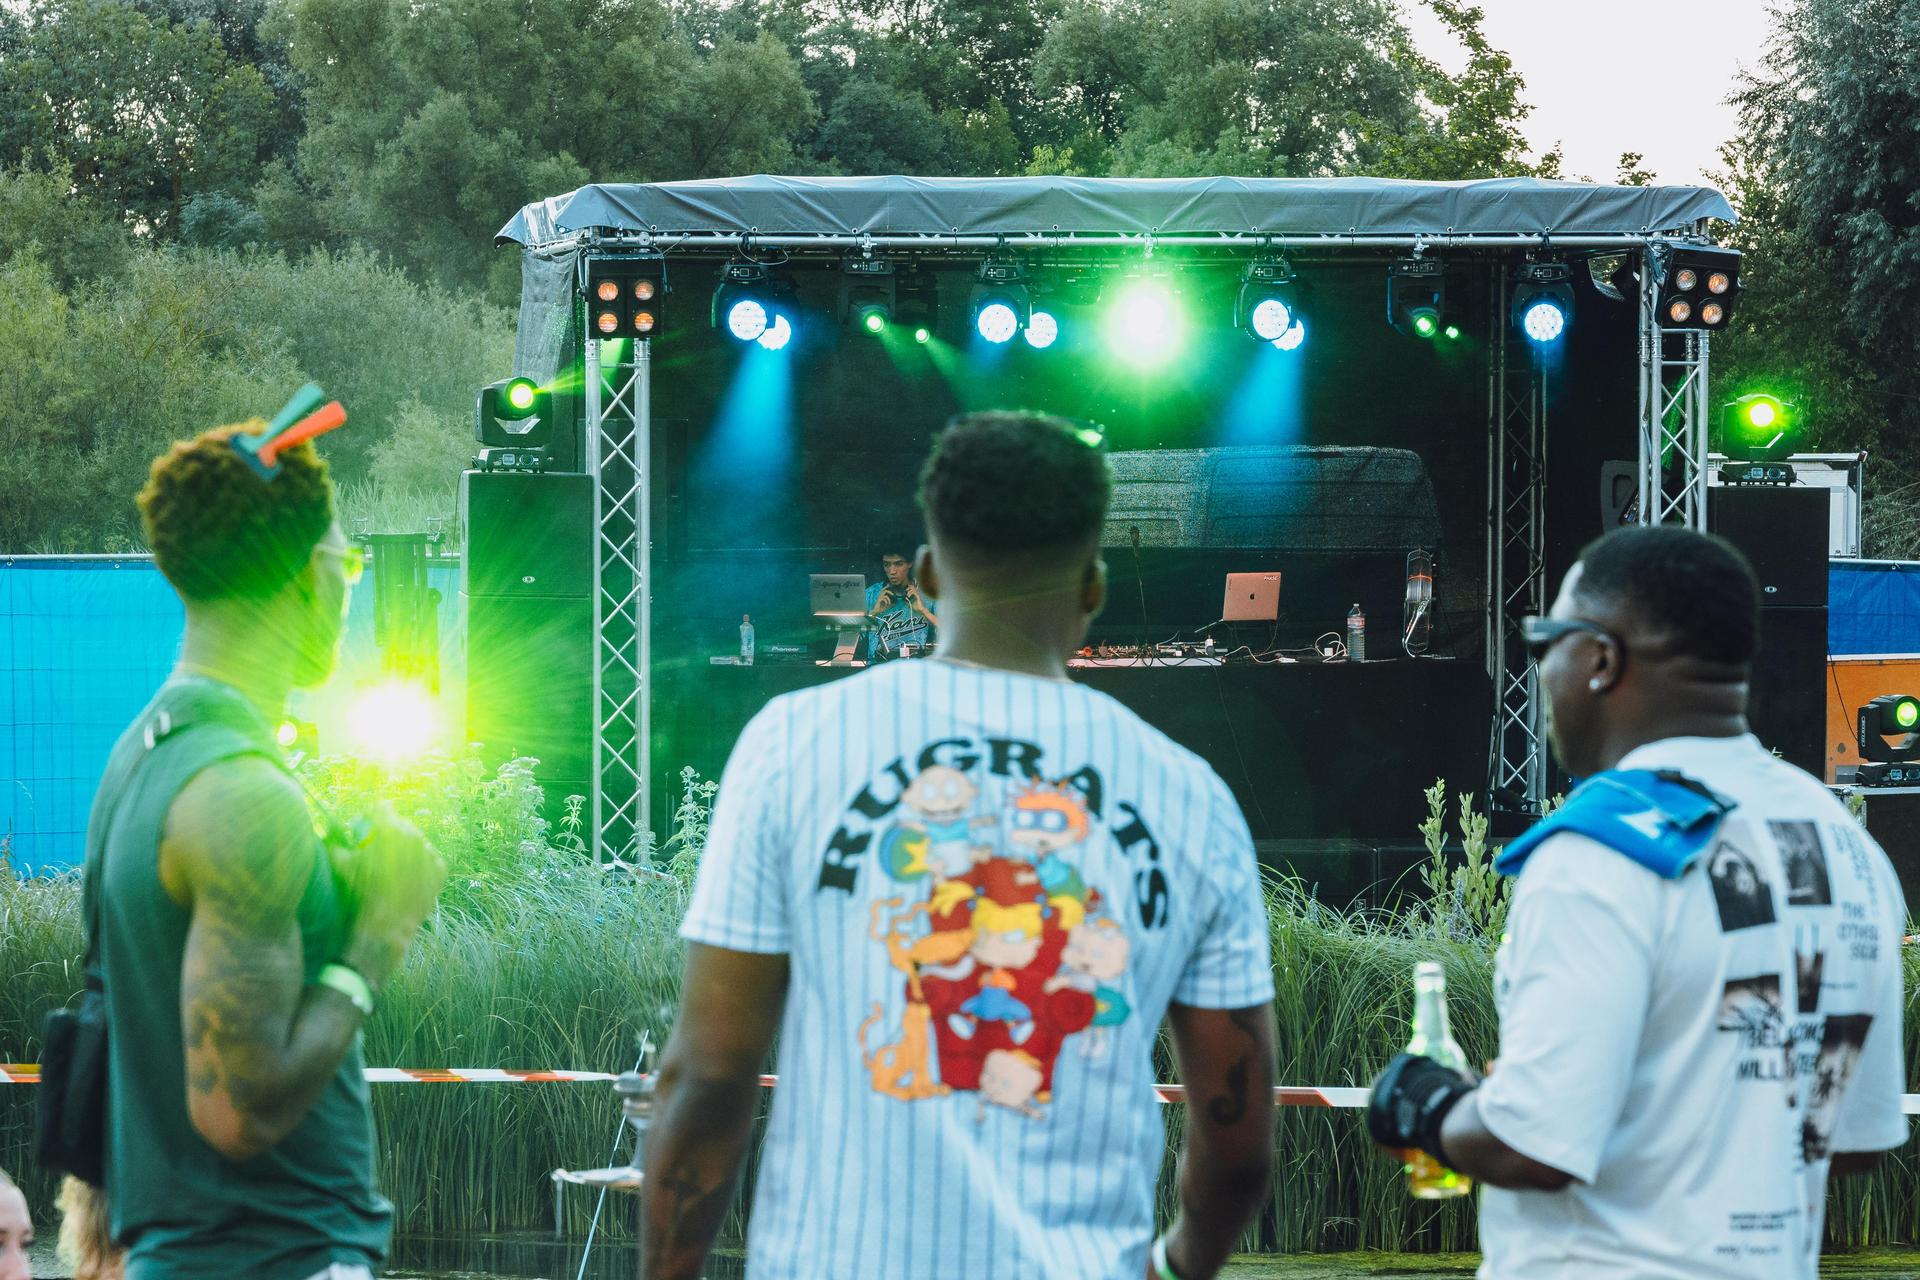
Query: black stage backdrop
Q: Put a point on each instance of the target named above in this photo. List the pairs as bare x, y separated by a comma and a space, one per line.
771, 466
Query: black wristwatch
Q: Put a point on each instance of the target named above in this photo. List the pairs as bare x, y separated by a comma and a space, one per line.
1410, 1101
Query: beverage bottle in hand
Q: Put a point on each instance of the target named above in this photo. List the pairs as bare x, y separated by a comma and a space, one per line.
1427, 1178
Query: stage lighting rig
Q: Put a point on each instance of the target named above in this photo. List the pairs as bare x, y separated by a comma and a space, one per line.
1542, 301
1001, 302
513, 413
1889, 737
1698, 286
868, 295
624, 297
1759, 427
1269, 302
917, 303
1417, 299
749, 303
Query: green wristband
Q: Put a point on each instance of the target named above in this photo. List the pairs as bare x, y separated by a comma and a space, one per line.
1162, 1269
348, 982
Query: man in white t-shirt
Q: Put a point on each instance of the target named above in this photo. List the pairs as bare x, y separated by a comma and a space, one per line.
965, 892
1700, 991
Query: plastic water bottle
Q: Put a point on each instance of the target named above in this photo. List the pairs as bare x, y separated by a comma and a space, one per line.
1356, 635
746, 640
1427, 1178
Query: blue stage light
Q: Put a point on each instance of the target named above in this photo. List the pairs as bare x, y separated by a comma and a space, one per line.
777, 335
1271, 319
1544, 321
747, 319
1292, 338
1042, 330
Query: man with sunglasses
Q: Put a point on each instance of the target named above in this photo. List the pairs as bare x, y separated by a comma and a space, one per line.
1691, 1039
240, 954
899, 613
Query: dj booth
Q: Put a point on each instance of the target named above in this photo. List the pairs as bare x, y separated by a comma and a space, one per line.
1311, 750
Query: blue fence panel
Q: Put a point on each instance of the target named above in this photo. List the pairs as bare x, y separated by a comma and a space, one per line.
1873, 606
84, 642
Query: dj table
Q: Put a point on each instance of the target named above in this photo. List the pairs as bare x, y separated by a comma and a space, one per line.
1311, 750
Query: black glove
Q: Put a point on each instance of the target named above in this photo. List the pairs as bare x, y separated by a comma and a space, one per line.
1410, 1101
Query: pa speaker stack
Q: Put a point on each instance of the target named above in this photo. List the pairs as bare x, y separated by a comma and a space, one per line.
527, 600
1783, 532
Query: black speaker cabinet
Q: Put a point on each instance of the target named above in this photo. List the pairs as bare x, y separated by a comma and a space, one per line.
1784, 532
1893, 819
527, 534
530, 682
1787, 703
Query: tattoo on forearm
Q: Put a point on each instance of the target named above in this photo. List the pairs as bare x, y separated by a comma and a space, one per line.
1227, 1108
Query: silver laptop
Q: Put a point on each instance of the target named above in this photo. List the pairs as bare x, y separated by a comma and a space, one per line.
838, 597
1251, 597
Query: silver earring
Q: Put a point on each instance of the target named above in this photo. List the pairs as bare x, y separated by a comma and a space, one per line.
1594, 684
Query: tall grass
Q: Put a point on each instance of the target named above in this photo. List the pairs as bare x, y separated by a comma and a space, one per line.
537, 959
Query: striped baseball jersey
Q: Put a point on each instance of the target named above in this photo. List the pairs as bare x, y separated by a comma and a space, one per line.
989, 886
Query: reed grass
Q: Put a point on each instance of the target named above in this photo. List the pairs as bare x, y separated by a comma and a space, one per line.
537, 959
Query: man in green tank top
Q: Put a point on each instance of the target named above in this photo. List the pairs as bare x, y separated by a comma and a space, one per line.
241, 952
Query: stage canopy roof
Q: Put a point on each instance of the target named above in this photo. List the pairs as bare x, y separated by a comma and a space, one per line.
764, 206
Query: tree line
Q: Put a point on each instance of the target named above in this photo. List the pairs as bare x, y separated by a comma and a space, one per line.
234, 164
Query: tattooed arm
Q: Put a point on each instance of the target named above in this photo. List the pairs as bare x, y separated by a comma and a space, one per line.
261, 1045
708, 1092
1226, 1063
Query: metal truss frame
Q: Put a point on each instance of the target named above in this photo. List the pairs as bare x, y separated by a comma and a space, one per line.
1516, 558
618, 434
1674, 416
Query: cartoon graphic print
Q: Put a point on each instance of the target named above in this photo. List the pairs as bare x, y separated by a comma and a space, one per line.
1010, 952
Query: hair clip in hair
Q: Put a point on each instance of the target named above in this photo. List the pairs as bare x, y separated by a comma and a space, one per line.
299, 420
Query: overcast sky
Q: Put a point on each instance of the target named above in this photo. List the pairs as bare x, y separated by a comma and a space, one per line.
1630, 75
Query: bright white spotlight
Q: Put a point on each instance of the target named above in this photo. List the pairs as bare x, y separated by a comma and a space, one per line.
1143, 325
997, 322
777, 335
1271, 320
394, 721
1042, 329
1292, 338
1544, 321
747, 319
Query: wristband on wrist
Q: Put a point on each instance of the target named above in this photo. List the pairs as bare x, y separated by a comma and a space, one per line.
1162, 1269
1411, 1101
348, 982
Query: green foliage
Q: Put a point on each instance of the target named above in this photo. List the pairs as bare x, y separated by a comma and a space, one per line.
1474, 129
1469, 899
146, 113
99, 377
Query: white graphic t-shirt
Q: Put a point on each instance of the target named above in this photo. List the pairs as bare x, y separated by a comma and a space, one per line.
990, 886
1693, 1051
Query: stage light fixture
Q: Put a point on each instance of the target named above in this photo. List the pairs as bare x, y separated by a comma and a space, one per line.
1143, 322
1417, 297
1759, 427
777, 335
916, 301
1893, 716
1001, 302
394, 721
1697, 285
1293, 338
1542, 301
1269, 301
867, 293
1042, 330
748, 301
624, 296
513, 413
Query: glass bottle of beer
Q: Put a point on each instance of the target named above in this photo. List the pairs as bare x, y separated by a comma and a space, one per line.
1427, 1178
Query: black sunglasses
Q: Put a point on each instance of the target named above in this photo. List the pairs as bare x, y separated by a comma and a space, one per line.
1541, 634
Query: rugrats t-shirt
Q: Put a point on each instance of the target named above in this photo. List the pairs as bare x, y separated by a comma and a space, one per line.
1694, 1051
989, 886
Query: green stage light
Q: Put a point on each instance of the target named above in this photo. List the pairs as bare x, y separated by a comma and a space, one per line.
1759, 427
1143, 325
1906, 713
922, 335
1761, 413
394, 721
1887, 728
1452, 333
1425, 323
874, 321
521, 394
287, 734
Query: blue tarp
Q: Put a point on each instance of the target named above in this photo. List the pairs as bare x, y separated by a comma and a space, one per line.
83, 645
1873, 606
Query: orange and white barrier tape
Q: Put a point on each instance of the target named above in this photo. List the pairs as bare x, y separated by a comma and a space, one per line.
1286, 1095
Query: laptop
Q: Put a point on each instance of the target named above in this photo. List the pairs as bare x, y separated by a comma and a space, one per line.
838, 597
1251, 597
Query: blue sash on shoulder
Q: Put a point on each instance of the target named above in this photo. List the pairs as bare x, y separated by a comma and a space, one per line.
1661, 819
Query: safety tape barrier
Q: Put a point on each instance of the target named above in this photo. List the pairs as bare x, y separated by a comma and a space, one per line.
1285, 1095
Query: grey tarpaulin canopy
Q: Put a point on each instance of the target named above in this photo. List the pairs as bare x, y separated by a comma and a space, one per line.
1016, 207
712, 214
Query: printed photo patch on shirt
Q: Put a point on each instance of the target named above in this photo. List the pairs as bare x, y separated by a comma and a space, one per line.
1840, 1048
1740, 892
1808, 884
1810, 966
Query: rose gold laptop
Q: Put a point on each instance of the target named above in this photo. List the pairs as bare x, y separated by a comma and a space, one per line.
1251, 597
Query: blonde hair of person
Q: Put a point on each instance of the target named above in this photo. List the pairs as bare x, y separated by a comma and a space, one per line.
86, 1240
